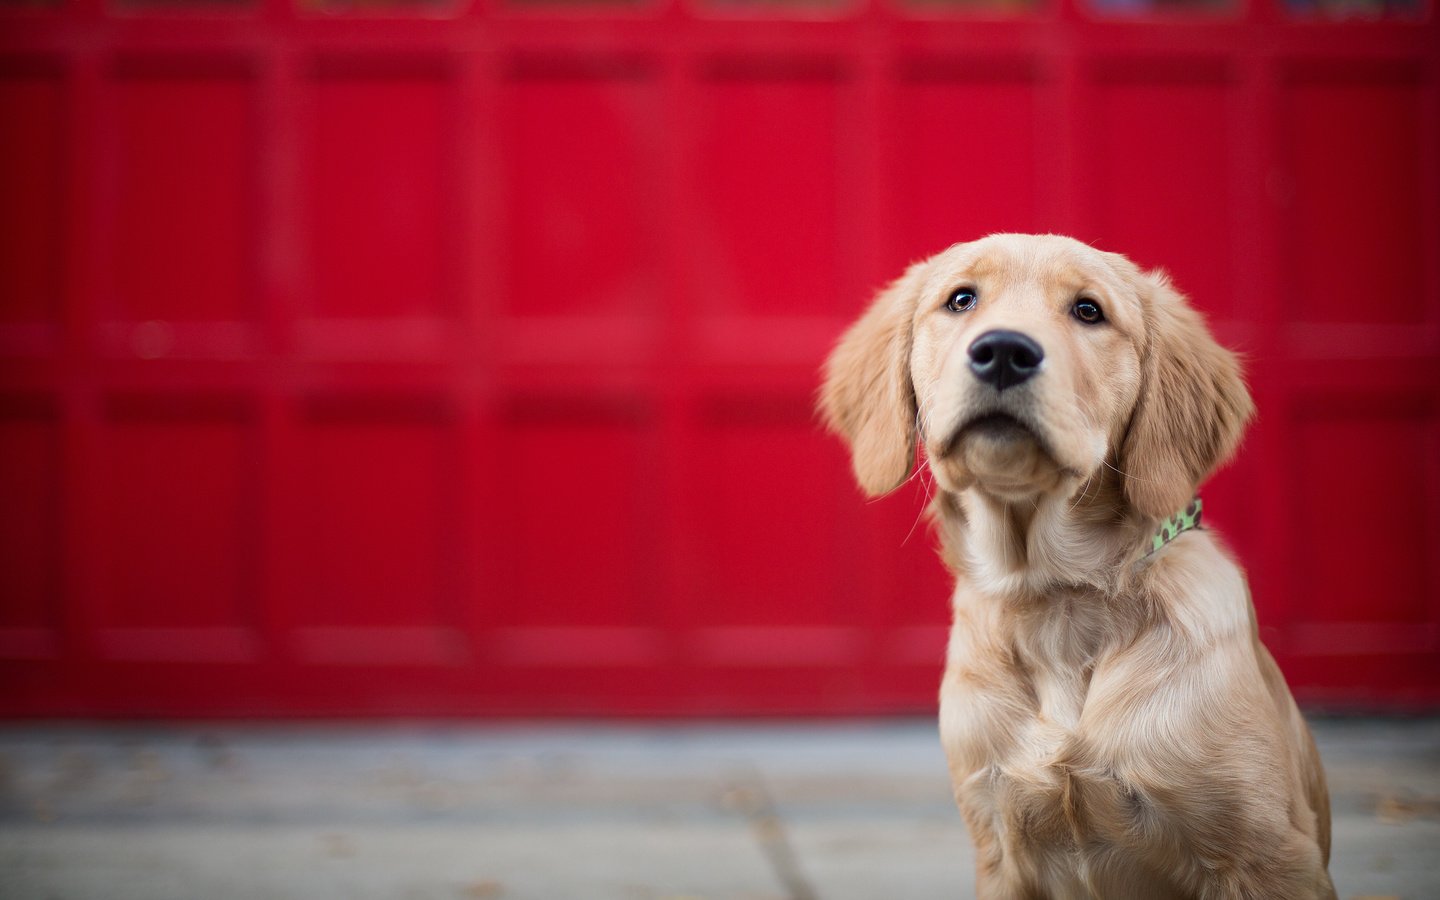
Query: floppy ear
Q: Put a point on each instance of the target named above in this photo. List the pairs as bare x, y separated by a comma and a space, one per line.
867, 397
1193, 405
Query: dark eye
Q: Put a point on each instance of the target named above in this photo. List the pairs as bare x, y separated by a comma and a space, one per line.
961, 299
1088, 311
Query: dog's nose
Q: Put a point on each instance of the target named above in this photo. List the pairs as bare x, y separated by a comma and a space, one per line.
1004, 358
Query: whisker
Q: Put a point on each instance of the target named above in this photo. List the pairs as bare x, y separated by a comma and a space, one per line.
1084, 494
915, 469
1127, 474
929, 495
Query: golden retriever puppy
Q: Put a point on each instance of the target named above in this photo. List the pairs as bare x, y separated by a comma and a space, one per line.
1113, 725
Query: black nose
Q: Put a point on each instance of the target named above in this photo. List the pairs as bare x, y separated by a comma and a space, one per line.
1004, 358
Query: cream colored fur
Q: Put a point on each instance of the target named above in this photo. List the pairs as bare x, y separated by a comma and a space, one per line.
1114, 727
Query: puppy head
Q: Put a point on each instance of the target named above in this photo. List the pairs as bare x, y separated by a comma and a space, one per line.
1023, 364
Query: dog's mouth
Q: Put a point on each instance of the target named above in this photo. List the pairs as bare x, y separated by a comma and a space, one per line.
1007, 454
1000, 427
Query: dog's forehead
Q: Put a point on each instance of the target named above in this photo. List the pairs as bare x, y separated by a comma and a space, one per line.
1047, 261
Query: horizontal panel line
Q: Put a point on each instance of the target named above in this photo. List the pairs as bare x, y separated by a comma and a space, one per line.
777, 646
379, 645
1363, 639
28, 643
561, 647
917, 645
179, 645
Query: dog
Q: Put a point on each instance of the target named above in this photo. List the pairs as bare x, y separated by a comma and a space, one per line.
1114, 727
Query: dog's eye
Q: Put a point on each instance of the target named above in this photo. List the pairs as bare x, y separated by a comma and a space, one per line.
961, 299
1088, 311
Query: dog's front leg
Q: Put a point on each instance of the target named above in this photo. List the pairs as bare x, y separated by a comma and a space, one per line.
1189, 738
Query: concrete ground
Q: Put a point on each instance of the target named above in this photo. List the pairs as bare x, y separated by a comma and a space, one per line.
833, 811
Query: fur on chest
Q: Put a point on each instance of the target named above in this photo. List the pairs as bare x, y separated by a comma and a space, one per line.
1057, 817
1034, 790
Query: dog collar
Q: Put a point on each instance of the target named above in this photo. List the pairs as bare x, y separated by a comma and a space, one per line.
1171, 528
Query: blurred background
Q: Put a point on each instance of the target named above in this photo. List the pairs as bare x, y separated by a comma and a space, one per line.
426, 359
381, 360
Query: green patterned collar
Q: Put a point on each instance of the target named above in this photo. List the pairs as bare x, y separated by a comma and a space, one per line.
1176, 525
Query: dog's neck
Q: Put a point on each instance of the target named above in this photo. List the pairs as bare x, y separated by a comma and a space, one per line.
1084, 538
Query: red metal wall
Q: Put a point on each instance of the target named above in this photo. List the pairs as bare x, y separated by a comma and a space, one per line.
414, 359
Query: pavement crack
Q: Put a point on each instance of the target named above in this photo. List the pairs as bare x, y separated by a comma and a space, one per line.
746, 794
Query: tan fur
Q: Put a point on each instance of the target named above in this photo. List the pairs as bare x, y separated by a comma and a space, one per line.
1115, 728
867, 398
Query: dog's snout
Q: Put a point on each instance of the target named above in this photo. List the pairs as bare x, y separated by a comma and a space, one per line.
1004, 358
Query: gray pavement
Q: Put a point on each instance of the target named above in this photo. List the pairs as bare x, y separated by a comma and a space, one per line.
746, 812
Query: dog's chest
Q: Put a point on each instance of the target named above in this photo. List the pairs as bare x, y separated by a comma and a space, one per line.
1027, 783
1057, 656
1024, 772
1057, 816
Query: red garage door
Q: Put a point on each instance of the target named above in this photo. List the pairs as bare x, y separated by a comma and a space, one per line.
368, 357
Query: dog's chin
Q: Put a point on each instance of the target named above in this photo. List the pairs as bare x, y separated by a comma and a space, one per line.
999, 455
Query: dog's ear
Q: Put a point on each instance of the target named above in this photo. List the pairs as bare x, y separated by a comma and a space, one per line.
1192, 409
867, 397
